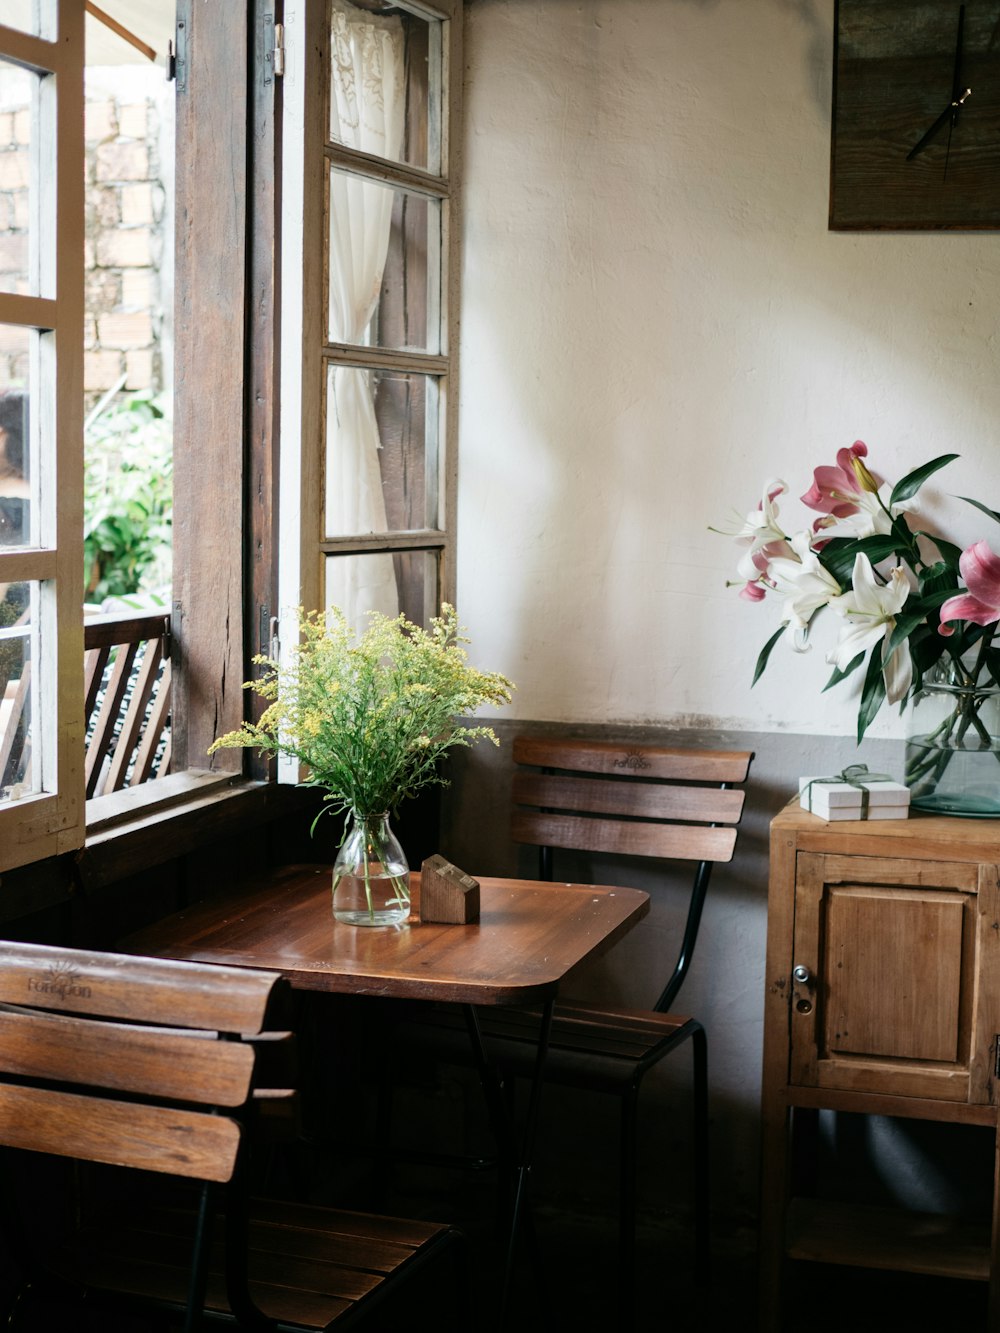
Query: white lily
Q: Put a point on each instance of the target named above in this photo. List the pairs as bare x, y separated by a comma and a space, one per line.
806, 585
761, 525
870, 611
870, 518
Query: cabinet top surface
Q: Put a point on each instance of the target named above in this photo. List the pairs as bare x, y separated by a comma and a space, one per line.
921, 835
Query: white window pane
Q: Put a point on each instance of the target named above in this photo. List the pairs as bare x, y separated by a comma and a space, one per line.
39, 17
385, 82
17, 184
27, 180
388, 582
18, 692
384, 265
381, 452
16, 359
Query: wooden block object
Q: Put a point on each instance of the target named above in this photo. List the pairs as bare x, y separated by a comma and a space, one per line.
447, 894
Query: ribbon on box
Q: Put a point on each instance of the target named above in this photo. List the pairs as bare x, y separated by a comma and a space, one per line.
855, 775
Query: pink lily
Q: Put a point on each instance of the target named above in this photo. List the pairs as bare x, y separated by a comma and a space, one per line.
755, 567
981, 604
837, 490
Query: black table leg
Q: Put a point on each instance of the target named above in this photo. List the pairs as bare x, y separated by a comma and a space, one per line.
515, 1165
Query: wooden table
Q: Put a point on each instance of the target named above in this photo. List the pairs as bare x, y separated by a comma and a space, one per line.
529, 936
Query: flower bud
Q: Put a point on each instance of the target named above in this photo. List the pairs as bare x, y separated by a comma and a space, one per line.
865, 479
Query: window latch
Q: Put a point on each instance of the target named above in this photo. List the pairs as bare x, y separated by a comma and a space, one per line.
268, 640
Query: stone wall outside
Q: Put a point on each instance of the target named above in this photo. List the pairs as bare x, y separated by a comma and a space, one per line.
127, 241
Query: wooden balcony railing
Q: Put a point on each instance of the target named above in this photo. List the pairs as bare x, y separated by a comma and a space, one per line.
127, 700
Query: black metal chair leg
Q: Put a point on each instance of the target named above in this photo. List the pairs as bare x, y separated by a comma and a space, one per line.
626, 1210
702, 1181
383, 1134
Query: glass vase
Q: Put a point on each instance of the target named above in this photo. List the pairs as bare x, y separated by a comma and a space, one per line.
371, 884
953, 746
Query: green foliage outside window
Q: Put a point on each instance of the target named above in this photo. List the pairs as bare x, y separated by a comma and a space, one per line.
128, 500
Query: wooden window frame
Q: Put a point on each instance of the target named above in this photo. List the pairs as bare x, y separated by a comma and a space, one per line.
52, 821
305, 361
228, 405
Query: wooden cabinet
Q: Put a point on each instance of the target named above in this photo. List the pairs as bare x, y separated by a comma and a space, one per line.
882, 997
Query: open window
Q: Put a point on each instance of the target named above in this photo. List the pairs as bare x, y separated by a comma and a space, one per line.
41, 401
369, 277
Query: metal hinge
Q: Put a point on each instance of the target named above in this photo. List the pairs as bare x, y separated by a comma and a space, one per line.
177, 57
996, 1056
274, 49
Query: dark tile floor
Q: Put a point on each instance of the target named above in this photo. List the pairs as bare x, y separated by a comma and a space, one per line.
578, 1253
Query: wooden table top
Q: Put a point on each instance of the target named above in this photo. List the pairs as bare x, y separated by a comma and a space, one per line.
530, 934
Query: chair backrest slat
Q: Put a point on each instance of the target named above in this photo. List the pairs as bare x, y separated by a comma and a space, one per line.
194, 1144
675, 804
125, 1057
639, 800
148, 1064
152, 990
665, 763
688, 842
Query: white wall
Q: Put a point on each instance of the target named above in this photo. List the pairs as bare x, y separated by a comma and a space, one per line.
655, 320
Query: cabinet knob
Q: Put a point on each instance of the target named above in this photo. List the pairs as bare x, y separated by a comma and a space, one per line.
802, 974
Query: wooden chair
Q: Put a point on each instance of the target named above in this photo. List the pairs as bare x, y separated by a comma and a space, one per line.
162, 1067
633, 800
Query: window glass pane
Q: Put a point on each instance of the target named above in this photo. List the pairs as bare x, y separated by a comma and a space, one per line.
381, 452
385, 82
384, 265
39, 17
18, 650
15, 451
16, 178
389, 582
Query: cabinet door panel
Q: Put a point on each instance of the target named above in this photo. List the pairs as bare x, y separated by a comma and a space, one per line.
891, 1002
900, 995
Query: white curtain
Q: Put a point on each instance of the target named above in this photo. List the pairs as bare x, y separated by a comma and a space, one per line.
366, 112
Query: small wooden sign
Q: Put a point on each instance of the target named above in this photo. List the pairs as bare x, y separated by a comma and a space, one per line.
447, 894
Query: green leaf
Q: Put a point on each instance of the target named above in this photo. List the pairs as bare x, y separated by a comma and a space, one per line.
839, 675
912, 482
765, 653
939, 578
928, 601
983, 509
872, 692
905, 626
948, 551
838, 555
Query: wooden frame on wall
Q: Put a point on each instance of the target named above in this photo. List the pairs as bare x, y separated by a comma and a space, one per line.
915, 141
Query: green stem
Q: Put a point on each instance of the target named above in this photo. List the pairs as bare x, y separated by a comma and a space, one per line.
949, 737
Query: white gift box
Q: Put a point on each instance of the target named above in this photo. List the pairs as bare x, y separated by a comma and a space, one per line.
833, 800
